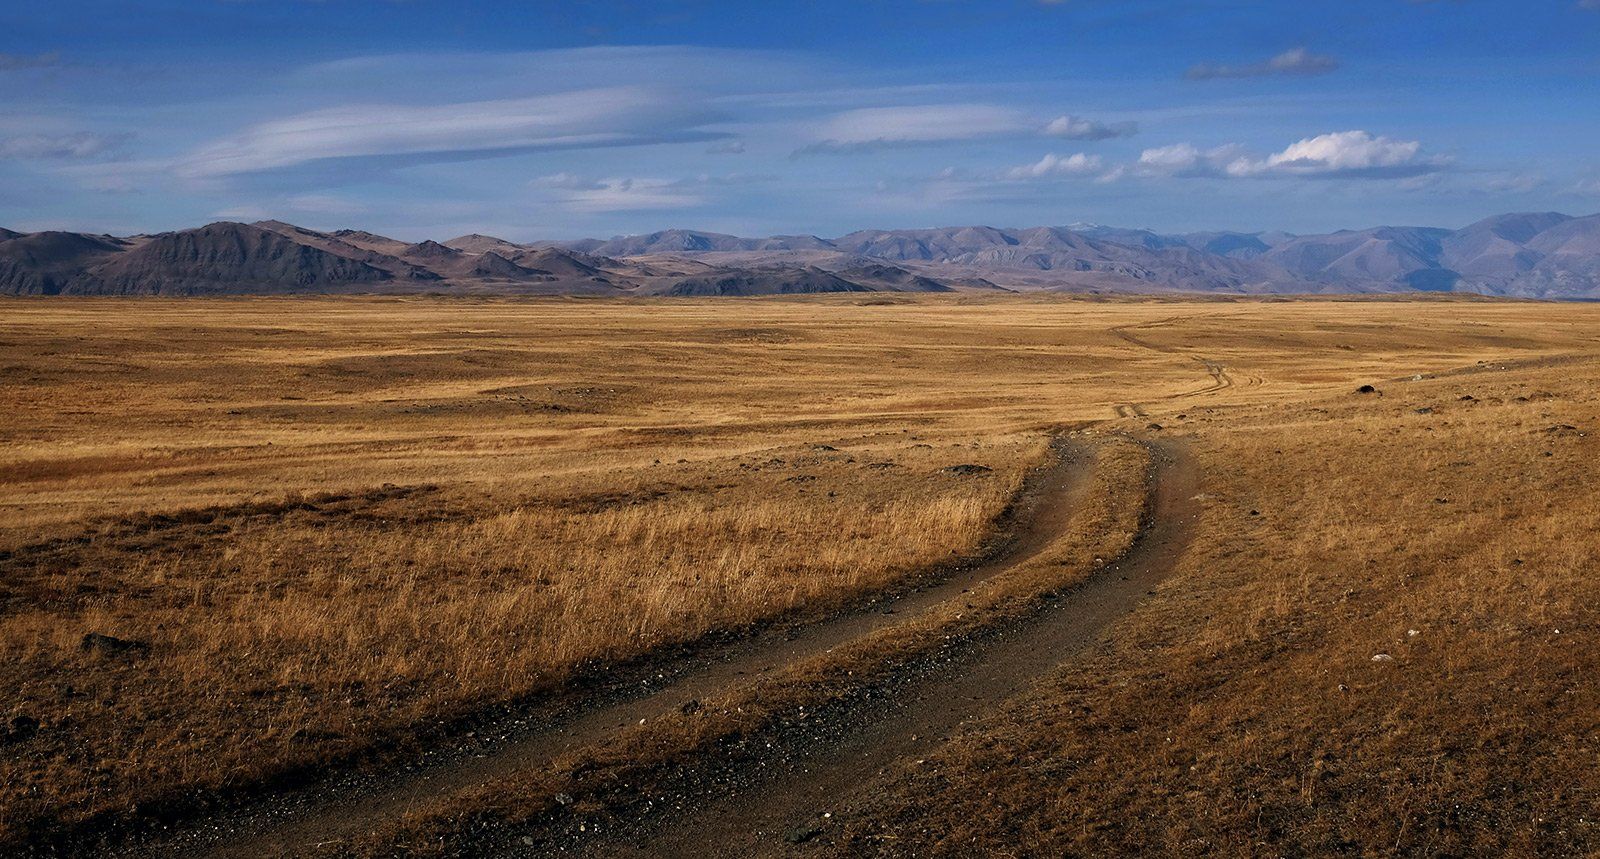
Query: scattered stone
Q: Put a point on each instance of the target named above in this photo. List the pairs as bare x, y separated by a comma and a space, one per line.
564, 799
802, 834
1156, 427
1382, 657
1423, 411
823, 447
1467, 398
967, 468
883, 465
110, 645
21, 730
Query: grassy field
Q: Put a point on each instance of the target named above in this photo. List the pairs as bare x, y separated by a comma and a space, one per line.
312, 526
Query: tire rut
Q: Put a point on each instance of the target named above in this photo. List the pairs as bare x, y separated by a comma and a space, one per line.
302, 821
828, 765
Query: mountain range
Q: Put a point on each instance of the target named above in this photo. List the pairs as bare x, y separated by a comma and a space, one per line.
1529, 255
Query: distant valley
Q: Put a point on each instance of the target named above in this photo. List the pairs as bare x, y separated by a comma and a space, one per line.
1528, 255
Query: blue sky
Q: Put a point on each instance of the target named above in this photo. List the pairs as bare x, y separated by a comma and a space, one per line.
556, 120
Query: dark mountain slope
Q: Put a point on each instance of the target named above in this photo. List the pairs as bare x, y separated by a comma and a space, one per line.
44, 263
801, 281
226, 258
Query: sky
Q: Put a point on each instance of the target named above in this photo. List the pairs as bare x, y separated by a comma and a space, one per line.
531, 120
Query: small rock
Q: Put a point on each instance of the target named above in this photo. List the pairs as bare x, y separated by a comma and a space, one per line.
1366, 389
802, 834
564, 799
689, 707
1467, 398
823, 447
1156, 427
22, 729
967, 468
1382, 657
110, 645
1423, 411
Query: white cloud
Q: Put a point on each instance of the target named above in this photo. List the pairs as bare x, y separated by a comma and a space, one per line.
561, 180
1588, 187
1342, 154
727, 147
1170, 159
622, 195
1078, 128
618, 116
1295, 62
77, 145
1077, 164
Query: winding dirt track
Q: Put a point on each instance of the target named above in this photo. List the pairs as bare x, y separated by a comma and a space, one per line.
829, 765
348, 806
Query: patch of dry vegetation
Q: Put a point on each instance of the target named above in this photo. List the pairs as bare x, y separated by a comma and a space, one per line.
331, 524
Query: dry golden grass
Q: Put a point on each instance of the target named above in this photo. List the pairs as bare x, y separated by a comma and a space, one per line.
336, 520
636, 762
1382, 642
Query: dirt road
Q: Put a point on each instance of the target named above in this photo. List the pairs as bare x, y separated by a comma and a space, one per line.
816, 771
347, 806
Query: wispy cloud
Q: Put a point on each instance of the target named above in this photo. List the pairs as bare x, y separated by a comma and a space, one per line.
624, 194
1295, 62
1587, 188
871, 128
1077, 128
77, 145
619, 116
877, 127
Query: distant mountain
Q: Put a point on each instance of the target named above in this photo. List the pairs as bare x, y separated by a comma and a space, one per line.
225, 258
891, 278
562, 263
44, 263
370, 241
802, 281
1529, 254
691, 241
477, 243
344, 244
